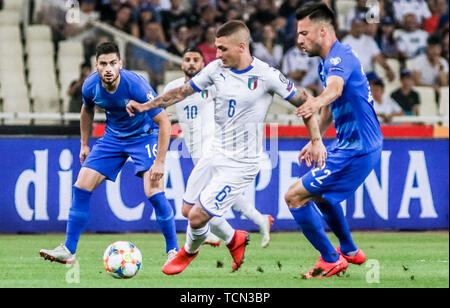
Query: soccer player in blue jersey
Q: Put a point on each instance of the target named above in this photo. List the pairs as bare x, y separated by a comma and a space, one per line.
347, 101
144, 138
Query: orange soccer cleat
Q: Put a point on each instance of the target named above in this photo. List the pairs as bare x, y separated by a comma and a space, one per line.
324, 269
179, 262
237, 248
357, 259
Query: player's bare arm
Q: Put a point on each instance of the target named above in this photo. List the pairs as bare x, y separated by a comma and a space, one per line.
171, 97
163, 121
315, 152
333, 91
298, 98
86, 120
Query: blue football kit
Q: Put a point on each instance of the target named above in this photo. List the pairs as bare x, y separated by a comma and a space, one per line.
357, 148
350, 158
125, 137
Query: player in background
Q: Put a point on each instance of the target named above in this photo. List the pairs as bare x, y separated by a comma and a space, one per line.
196, 118
245, 87
144, 138
347, 100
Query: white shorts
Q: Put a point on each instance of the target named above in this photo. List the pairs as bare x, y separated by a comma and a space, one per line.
217, 182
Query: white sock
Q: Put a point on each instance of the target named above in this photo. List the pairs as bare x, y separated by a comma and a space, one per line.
195, 238
244, 207
212, 237
221, 228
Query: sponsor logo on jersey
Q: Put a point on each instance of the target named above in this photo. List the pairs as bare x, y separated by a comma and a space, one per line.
252, 83
205, 94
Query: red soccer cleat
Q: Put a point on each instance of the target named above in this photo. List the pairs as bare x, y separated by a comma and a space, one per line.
324, 269
213, 244
179, 262
237, 248
357, 259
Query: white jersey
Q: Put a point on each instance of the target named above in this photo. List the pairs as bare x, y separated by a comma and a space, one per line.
196, 118
241, 103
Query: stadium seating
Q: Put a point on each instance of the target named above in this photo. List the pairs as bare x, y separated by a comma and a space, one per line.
9, 33
144, 74
16, 104
172, 75
45, 98
35, 33
342, 8
69, 59
395, 66
39, 48
11, 64
9, 18
13, 5
428, 105
444, 104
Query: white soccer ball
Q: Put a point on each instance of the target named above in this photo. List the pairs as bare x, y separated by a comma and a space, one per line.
122, 259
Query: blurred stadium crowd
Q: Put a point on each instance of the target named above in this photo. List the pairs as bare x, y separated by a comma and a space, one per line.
402, 44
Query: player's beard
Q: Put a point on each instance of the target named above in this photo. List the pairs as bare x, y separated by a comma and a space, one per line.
190, 72
314, 51
104, 80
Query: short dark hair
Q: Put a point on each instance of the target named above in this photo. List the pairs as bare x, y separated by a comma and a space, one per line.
316, 11
192, 49
434, 40
106, 48
231, 27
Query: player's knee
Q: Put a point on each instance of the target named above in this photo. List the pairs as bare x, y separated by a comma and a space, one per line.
295, 198
196, 223
185, 209
196, 220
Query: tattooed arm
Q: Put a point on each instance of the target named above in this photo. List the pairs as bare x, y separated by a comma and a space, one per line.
171, 97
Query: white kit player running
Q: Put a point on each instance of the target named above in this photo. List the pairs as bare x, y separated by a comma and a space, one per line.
244, 90
196, 118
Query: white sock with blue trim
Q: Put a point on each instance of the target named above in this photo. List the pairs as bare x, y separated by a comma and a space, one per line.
195, 238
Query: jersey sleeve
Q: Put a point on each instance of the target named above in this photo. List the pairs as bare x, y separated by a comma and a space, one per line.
86, 94
342, 66
279, 84
204, 78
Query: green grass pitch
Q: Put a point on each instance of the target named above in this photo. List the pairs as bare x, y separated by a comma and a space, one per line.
396, 259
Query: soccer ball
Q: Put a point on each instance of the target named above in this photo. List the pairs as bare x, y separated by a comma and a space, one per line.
122, 259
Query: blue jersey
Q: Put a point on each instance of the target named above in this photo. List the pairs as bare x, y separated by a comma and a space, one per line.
357, 127
119, 124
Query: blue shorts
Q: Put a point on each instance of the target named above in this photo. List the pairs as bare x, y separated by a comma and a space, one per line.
110, 153
341, 176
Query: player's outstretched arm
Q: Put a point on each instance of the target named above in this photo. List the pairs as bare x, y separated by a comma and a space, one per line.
298, 98
86, 120
167, 99
333, 91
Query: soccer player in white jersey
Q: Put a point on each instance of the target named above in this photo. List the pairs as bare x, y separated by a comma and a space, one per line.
196, 118
245, 87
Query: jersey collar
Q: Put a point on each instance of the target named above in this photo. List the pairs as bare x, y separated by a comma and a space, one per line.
245, 70
335, 46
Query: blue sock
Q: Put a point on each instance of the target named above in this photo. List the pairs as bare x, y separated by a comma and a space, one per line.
78, 217
311, 224
334, 216
166, 219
